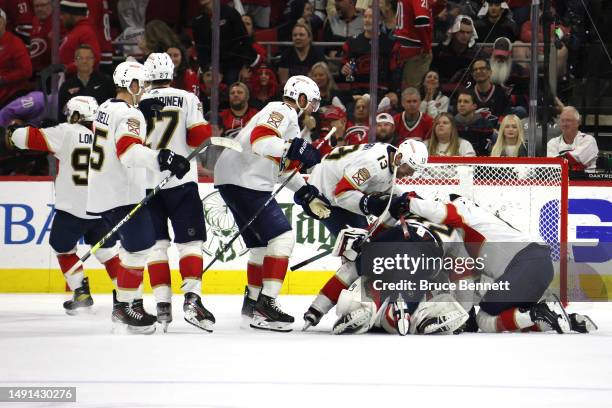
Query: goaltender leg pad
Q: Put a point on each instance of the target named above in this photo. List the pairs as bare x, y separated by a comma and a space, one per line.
183, 206
340, 218
244, 203
137, 234
66, 231
442, 314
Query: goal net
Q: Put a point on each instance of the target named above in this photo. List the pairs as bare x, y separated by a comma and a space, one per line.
528, 193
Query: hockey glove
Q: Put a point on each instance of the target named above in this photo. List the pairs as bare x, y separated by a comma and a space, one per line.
177, 164
373, 204
400, 205
150, 108
301, 150
313, 203
6, 144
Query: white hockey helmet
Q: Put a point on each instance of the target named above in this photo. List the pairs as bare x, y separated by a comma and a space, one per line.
300, 84
86, 106
128, 71
413, 153
159, 67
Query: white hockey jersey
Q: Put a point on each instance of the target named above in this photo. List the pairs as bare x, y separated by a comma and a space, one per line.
180, 127
485, 235
349, 172
117, 174
581, 153
263, 143
70, 144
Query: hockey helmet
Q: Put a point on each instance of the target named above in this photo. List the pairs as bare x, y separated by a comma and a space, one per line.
85, 106
159, 67
300, 84
413, 153
128, 71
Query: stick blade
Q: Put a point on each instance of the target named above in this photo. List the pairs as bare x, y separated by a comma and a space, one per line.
226, 142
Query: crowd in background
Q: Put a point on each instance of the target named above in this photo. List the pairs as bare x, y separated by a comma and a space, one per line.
452, 73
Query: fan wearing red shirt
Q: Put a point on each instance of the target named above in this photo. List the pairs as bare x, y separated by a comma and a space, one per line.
411, 123
15, 64
40, 42
19, 17
239, 112
99, 17
79, 31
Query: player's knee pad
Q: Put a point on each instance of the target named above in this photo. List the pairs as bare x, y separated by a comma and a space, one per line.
104, 254
281, 246
193, 248
159, 251
72, 251
256, 255
347, 273
133, 260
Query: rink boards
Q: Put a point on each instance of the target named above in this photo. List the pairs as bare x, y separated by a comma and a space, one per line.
27, 263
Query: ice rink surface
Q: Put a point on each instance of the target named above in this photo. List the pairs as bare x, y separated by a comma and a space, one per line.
234, 367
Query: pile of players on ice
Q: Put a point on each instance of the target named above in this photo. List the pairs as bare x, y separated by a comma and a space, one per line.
140, 142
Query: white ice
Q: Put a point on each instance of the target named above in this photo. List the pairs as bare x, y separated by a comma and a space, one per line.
233, 367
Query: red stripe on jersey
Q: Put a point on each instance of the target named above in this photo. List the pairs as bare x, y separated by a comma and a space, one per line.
125, 142
275, 268
343, 186
453, 219
198, 134
333, 288
261, 132
36, 140
473, 239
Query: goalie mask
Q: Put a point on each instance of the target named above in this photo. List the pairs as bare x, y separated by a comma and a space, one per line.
300, 84
85, 107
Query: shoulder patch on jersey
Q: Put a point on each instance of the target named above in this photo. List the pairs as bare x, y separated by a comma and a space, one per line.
275, 119
200, 108
133, 126
361, 176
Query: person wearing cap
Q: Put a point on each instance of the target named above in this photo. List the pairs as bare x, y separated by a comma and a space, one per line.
488, 95
331, 116
507, 73
495, 21
385, 128
15, 64
19, 18
73, 15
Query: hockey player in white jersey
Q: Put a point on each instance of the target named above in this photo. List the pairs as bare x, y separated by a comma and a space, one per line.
511, 258
179, 126
70, 143
117, 181
357, 180
272, 149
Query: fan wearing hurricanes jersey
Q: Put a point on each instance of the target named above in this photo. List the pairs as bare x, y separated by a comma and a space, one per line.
117, 181
179, 126
272, 149
356, 180
70, 143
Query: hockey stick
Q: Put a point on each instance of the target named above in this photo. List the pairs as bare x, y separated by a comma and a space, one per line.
216, 141
311, 260
259, 211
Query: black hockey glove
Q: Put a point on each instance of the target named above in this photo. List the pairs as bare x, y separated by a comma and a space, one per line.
6, 144
373, 204
177, 164
150, 108
313, 203
304, 152
400, 205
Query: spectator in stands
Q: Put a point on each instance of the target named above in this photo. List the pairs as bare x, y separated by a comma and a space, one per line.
259, 10
385, 128
87, 81
520, 10
411, 123
264, 87
257, 47
445, 140
330, 94
356, 53
361, 110
433, 101
158, 37
235, 49
298, 60
206, 90
99, 16
184, 77
453, 58
299, 11
18, 17
477, 127
579, 149
310, 17
40, 42
239, 112
510, 75
510, 139
488, 95
79, 31
388, 19
331, 116
495, 21
412, 50
347, 23
15, 64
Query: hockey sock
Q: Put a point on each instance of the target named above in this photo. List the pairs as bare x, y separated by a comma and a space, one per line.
512, 319
128, 282
159, 277
254, 279
66, 262
333, 288
273, 275
191, 267
113, 266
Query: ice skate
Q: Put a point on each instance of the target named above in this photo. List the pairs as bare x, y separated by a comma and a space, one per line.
164, 315
128, 320
196, 314
312, 317
81, 300
248, 304
549, 314
269, 316
582, 323
138, 306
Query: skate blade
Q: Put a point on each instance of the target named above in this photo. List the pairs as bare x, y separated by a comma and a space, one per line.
261, 323
206, 325
564, 320
590, 324
122, 328
163, 325
307, 325
80, 311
